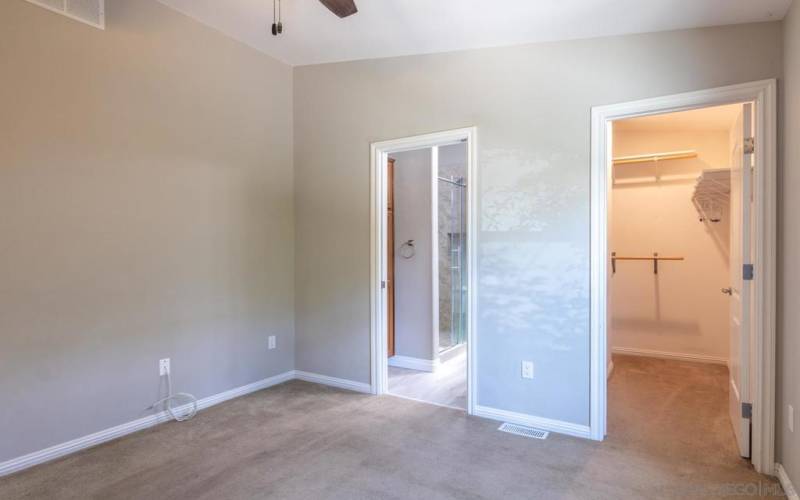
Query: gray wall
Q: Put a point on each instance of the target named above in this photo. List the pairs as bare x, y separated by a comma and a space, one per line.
146, 201
531, 105
413, 277
788, 393
146, 189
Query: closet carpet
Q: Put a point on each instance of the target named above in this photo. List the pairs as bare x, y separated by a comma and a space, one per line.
669, 437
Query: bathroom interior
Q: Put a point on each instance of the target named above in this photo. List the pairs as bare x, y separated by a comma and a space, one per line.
428, 355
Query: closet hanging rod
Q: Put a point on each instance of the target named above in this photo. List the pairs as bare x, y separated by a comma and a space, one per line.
655, 157
655, 258
649, 258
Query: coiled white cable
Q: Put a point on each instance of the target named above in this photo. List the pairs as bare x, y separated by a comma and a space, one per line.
167, 402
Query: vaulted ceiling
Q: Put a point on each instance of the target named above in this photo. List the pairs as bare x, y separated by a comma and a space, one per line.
384, 28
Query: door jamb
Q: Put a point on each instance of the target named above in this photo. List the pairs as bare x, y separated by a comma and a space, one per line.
434, 178
379, 152
763, 94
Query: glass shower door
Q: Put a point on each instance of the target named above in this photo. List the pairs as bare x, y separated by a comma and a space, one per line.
452, 263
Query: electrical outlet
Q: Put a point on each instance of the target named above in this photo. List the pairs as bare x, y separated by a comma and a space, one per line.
272, 342
790, 417
527, 369
163, 367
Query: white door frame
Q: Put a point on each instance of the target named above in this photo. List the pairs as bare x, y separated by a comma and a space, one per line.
379, 153
763, 94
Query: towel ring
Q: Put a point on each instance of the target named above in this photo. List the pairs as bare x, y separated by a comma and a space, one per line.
407, 249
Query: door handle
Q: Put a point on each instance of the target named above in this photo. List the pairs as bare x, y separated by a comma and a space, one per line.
728, 291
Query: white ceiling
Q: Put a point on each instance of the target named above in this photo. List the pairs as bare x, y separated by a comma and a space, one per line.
716, 119
384, 28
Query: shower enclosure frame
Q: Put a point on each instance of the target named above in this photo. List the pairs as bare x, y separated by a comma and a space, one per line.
379, 154
458, 227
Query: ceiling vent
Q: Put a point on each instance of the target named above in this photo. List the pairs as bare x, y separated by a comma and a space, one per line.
91, 12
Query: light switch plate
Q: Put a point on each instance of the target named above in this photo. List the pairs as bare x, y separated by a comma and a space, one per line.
272, 342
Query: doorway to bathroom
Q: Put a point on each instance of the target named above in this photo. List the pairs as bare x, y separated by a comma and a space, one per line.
423, 258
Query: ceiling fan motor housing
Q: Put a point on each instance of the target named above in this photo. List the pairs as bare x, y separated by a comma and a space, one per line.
341, 8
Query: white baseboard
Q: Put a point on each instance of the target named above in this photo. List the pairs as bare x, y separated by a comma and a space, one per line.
243, 390
452, 352
341, 383
546, 424
695, 358
425, 365
57, 451
610, 369
81, 443
786, 483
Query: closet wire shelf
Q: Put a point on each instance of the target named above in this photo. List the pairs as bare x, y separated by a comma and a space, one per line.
712, 194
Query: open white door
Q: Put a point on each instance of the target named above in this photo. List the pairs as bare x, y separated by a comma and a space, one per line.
741, 276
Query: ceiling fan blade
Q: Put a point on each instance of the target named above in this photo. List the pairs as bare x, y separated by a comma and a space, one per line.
341, 8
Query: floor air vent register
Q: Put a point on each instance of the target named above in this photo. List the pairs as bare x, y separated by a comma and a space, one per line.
521, 430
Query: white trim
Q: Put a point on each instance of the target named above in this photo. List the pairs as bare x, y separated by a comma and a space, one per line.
434, 186
341, 383
82, 443
451, 352
378, 155
763, 93
240, 391
472, 270
786, 483
425, 365
547, 424
648, 353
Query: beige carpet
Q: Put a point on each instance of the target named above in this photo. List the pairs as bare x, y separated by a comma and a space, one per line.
669, 438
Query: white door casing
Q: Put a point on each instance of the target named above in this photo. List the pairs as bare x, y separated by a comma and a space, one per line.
379, 152
761, 373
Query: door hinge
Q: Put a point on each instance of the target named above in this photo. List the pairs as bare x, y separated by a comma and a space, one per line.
383, 284
747, 272
747, 410
749, 145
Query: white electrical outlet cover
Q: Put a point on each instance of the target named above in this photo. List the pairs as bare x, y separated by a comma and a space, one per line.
527, 369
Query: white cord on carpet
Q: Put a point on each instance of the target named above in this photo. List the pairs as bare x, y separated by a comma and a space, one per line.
167, 401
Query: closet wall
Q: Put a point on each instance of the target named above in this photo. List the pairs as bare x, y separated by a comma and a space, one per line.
680, 310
